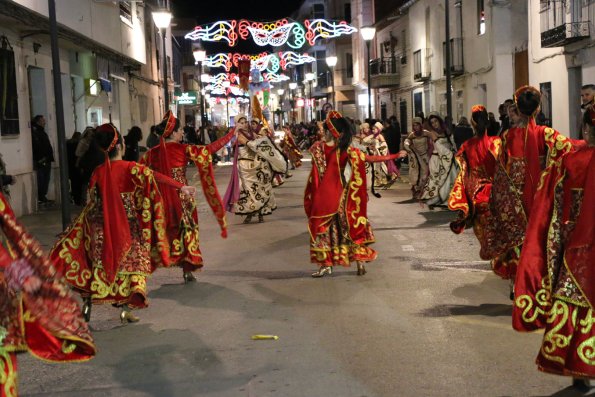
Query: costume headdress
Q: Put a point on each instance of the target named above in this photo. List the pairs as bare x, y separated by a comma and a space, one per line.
378, 125
238, 117
170, 122
363, 126
478, 108
332, 115
417, 120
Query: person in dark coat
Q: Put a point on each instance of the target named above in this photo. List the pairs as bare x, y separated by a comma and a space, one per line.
74, 174
494, 126
43, 156
131, 141
462, 132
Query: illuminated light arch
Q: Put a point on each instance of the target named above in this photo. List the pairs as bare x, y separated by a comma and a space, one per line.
291, 58
220, 60
217, 31
323, 29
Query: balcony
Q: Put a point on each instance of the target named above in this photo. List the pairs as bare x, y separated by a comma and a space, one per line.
564, 34
456, 57
384, 72
422, 70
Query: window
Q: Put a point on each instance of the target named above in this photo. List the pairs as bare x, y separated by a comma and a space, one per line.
417, 64
318, 11
126, 12
349, 65
347, 8
322, 69
481, 17
9, 116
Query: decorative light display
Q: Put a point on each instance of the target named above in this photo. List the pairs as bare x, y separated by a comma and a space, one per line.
220, 60
218, 31
275, 78
323, 29
292, 58
276, 33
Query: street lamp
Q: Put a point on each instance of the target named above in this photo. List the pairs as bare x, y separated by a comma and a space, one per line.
199, 56
368, 33
331, 63
310, 78
292, 86
162, 19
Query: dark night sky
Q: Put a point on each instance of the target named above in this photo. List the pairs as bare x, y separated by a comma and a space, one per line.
207, 11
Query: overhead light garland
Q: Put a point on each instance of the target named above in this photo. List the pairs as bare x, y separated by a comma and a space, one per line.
218, 31
291, 58
276, 33
276, 78
323, 29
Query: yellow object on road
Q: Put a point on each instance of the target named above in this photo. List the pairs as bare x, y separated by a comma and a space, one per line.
264, 337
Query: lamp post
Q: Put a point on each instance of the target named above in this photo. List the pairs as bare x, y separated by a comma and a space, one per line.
199, 56
281, 91
162, 20
310, 78
331, 63
368, 33
292, 86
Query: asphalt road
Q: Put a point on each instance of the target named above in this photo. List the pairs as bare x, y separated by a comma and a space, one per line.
429, 318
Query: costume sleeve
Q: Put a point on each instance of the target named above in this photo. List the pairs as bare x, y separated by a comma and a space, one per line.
458, 200
219, 143
532, 285
166, 180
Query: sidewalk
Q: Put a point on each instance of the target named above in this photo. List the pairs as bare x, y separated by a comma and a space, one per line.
45, 225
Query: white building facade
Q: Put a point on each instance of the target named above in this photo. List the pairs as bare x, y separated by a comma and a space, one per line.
109, 66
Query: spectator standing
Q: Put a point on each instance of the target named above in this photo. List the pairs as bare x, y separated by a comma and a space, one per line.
5, 179
153, 138
588, 100
462, 132
135, 134
493, 126
43, 156
74, 174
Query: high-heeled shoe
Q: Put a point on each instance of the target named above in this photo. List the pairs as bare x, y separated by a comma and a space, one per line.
581, 384
126, 317
324, 270
247, 219
260, 218
361, 269
189, 277
87, 309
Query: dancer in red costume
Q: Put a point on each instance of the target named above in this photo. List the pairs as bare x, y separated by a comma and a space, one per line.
471, 192
336, 201
119, 238
171, 158
38, 312
526, 150
555, 282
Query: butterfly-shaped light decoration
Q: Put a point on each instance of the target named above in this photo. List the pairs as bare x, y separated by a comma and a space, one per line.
323, 29
217, 31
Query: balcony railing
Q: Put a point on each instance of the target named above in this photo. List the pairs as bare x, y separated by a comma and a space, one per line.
421, 64
564, 34
456, 56
384, 72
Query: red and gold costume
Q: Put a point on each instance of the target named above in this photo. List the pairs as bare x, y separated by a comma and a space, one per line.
138, 237
337, 211
171, 159
471, 192
291, 150
38, 312
525, 153
555, 284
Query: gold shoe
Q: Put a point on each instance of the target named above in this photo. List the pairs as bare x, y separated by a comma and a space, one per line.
247, 219
127, 317
324, 270
361, 269
189, 277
